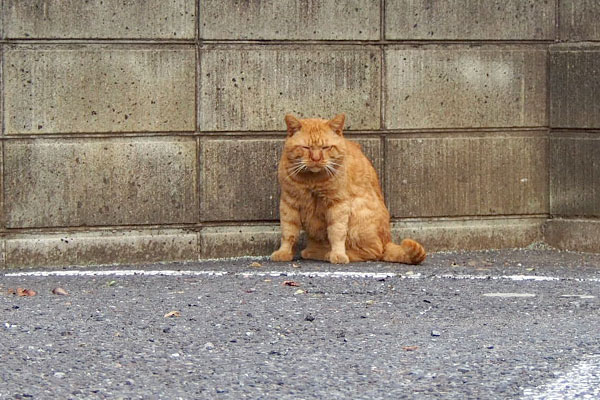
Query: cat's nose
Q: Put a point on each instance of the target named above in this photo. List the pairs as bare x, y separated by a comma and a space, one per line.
316, 156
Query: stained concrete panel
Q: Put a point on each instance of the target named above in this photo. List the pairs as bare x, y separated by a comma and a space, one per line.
251, 89
290, 20
230, 241
466, 176
100, 182
575, 175
471, 233
239, 177
470, 20
579, 20
577, 234
99, 89
106, 19
463, 87
574, 86
98, 248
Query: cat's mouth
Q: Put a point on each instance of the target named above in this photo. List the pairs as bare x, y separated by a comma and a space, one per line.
315, 169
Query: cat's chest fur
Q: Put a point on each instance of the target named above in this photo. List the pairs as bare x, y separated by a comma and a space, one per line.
315, 202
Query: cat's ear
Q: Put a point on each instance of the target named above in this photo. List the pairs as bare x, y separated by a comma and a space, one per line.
337, 123
293, 124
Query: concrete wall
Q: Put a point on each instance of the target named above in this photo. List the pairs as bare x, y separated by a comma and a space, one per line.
145, 131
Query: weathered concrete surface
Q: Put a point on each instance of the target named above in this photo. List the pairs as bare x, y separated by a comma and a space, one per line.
239, 179
470, 20
99, 247
579, 20
115, 181
465, 87
576, 234
574, 86
471, 234
454, 176
98, 89
289, 20
251, 88
233, 241
114, 19
575, 174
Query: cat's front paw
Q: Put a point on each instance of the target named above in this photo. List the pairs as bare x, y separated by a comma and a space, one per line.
282, 255
338, 258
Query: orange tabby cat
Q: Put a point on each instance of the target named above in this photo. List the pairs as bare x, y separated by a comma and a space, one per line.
330, 189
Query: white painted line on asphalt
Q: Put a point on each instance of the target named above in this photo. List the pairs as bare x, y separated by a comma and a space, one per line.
509, 294
308, 274
580, 382
537, 278
247, 274
116, 272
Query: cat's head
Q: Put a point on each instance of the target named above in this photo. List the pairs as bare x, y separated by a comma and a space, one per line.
314, 146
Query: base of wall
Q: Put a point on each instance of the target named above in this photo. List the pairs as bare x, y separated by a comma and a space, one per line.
481, 234
99, 248
42, 250
573, 234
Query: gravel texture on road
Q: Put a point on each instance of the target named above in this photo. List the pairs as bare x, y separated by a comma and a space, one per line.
473, 325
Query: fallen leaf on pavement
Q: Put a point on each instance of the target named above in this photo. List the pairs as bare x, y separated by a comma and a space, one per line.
111, 283
26, 292
300, 291
410, 348
290, 283
173, 314
256, 265
60, 291
295, 266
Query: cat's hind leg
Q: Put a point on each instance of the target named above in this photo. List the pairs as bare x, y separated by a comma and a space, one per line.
316, 250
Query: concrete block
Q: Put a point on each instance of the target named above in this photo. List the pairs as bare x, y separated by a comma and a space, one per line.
461, 87
573, 234
574, 86
2, 253
238, 241
100, 248
107, 19
466, 176
469, 20
289, 19
575, 175
100, 182
239, 177
579, 20
2, 222
252, 88
99, 89
471, 234
1, 85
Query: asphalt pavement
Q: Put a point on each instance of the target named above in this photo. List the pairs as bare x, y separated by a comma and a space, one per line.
510, 324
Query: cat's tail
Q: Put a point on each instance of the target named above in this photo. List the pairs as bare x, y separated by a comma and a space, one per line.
407, 252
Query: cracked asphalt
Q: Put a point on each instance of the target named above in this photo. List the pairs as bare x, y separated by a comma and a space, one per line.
510, 324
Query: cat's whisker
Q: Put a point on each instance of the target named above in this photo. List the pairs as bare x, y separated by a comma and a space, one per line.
332, 167
296, 168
